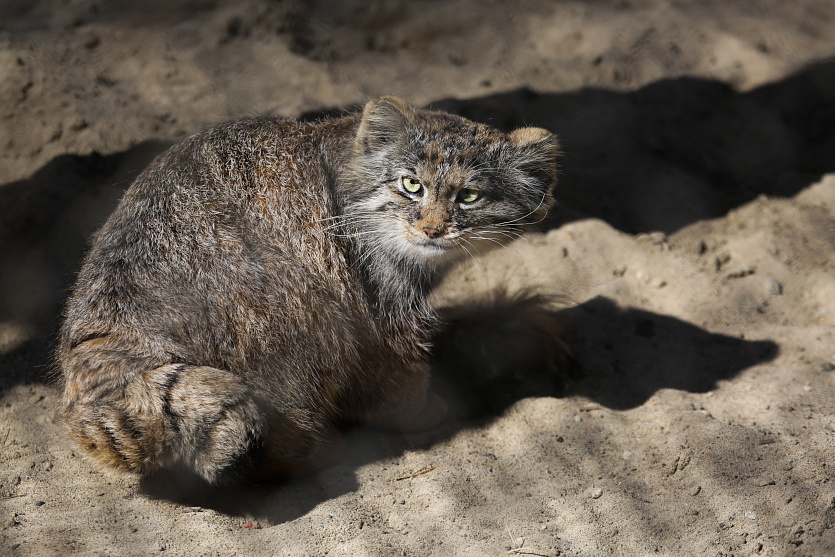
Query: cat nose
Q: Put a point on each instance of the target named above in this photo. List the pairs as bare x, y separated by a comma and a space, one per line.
431, 232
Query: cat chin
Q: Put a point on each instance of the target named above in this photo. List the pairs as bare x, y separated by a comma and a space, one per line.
434, 253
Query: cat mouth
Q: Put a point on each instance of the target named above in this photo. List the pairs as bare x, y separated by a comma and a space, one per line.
435, 245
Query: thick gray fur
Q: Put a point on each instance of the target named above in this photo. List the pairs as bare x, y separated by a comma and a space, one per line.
265, 281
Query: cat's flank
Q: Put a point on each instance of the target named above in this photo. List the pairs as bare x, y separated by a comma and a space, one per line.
265, 281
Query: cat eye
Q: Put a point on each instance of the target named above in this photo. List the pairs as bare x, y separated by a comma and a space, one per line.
468, 195
411, 185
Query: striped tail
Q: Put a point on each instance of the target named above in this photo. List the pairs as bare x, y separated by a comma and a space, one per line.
203, 417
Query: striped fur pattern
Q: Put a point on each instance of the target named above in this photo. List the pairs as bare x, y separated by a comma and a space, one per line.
264, 282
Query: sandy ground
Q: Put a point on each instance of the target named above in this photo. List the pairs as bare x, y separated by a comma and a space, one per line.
691, 265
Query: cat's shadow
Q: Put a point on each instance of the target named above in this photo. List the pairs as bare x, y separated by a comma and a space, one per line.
45, 225
489, 358
619, 357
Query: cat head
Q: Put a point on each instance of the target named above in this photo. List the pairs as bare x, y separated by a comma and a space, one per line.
429, 186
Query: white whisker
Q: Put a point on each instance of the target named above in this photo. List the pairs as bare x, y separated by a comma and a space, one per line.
535, 209
463, 239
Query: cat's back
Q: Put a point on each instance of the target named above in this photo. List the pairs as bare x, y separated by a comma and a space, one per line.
212, 227
222, 169
260, 179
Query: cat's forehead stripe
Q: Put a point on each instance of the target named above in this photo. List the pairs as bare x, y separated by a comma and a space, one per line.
458, 149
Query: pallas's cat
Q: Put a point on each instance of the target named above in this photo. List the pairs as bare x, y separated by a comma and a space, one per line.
264, 282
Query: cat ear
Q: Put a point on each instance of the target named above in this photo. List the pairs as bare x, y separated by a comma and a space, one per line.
538, 150
383, 121
540, 140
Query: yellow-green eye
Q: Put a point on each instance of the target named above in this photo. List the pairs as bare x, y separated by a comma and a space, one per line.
468, 195
411, 185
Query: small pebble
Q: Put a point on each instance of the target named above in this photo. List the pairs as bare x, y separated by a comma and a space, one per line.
596, 493
751, 515
771, 286
827, 366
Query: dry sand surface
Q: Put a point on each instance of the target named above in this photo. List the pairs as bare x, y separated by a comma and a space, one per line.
691, 265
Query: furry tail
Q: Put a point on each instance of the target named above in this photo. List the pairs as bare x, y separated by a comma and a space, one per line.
500, 348
203, 417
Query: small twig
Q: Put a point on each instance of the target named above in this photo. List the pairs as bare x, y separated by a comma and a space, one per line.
423, 470
6, 438
523, 551
11, 496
